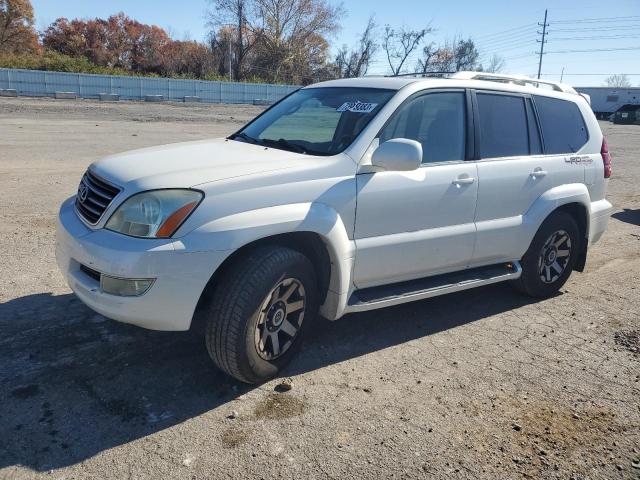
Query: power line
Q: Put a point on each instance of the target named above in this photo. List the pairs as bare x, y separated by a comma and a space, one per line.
505, 32
632, 18
506, 38
599, 29
610, 37
596, 50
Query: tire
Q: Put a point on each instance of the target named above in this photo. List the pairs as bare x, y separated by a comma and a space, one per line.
540, 277
254, 329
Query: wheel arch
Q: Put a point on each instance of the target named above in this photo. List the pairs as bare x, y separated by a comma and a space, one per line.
573, 199
315, 230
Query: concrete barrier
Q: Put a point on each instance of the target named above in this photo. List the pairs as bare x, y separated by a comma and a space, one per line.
192, 99
65, 95
8, 92
109, 97
154, 98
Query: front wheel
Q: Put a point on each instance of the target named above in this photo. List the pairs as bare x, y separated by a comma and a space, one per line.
551, 257
259, 311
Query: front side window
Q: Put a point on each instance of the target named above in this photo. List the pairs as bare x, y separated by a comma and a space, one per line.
503, 126
437, 121
563, 127
317, 121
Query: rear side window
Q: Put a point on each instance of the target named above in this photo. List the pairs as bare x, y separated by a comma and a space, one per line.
503, 126
563, 127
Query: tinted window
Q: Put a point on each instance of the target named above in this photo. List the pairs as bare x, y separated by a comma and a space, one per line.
563, 128
503, 126
437, 121
318, 121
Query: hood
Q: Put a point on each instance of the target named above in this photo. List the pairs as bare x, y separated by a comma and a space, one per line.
188, 164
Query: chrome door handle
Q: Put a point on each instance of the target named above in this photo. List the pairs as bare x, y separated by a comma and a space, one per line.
463, 181
538, 172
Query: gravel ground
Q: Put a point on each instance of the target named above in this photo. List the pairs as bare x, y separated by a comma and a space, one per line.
479, 384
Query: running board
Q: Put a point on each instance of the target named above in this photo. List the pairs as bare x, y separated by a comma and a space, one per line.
396, 293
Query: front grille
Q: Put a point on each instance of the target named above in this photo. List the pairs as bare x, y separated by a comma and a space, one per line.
94, 196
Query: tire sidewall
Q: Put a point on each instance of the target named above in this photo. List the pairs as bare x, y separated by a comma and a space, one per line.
531, 278
254, 366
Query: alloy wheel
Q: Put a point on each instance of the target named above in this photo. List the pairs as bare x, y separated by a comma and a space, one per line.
280, 318
554, 256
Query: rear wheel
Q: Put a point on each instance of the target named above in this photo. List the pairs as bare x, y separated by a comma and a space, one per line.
259, 312
551, 257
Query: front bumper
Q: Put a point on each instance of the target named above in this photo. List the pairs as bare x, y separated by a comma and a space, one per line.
180, 275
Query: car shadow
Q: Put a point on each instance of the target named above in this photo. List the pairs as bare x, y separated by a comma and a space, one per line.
628, 216
75, 384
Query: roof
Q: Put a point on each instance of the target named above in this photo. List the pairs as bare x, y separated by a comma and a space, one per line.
478, 80
481, 80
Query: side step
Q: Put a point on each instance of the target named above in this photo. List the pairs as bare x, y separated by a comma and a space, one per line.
396, 293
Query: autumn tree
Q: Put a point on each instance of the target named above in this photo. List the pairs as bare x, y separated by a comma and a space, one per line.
17, 34
121, 42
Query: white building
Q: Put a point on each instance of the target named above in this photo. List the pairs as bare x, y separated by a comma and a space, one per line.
607, 100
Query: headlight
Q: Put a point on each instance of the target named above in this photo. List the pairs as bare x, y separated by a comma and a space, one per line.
154, 214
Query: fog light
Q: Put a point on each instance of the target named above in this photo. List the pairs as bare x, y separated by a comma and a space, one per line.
125, 287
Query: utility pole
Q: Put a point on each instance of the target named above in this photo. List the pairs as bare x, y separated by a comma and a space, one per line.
562, 74
544, 26
230, 56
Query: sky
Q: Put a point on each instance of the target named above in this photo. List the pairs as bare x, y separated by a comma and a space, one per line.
601, 29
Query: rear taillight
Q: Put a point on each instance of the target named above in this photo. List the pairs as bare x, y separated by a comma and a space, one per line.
606, 158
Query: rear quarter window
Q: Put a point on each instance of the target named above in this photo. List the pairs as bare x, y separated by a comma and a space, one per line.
563, 127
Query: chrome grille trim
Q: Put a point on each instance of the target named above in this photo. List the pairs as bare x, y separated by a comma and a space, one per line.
98, 195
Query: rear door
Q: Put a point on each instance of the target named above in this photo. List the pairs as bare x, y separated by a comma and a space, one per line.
518, 163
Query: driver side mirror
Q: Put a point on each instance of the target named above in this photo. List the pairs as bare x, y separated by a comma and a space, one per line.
398, 155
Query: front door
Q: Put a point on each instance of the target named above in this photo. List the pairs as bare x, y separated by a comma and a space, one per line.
415, 224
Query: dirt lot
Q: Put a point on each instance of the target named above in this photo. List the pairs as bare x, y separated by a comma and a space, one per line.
480, 384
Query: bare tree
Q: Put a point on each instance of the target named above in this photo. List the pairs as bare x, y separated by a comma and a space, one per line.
276, 40
496, 64
355, 63
465, 55
292, 37
455, 55
618, 81
227, 17
399, 44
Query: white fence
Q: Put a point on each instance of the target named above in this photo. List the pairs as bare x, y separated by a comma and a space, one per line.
35, 83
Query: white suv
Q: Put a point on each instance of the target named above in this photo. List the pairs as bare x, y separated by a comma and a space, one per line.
345, 196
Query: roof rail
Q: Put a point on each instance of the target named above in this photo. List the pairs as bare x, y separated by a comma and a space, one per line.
517, 79
421, 74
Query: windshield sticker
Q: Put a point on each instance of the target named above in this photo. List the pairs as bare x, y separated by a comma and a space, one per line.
357, 107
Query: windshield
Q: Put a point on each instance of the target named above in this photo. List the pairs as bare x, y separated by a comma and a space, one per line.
317, 121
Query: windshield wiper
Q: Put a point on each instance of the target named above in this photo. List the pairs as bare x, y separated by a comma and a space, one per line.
285, 144
244, 137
